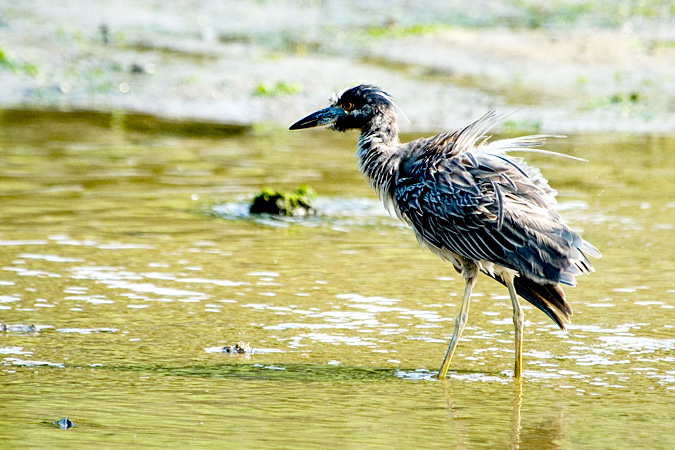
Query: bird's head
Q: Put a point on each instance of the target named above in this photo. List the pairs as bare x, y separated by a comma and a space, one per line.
353, 108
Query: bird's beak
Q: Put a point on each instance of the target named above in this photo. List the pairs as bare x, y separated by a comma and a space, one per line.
324, 117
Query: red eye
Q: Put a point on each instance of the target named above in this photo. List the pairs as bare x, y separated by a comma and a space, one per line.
348, 106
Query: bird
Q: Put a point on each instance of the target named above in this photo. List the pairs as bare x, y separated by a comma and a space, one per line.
470, 202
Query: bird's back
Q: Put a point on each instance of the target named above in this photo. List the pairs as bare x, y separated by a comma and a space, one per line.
467, 200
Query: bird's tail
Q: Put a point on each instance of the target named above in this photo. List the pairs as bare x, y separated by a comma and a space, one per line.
550, 298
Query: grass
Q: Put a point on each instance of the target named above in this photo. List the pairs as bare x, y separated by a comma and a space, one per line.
393, 30
533, 14
628, 103
7, 63
267, 89
591, 12
514, 128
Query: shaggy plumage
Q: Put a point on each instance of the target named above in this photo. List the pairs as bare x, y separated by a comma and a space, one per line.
469, 202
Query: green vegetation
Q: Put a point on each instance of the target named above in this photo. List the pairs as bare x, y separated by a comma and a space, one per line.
271, 201
266, 89
629, 103
665, 44
396, 31
8, 64
537, 14
597, 13
514, 128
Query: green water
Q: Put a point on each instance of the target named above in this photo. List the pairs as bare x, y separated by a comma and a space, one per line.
127, 261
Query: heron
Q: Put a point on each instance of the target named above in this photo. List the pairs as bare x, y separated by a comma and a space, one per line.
470, 202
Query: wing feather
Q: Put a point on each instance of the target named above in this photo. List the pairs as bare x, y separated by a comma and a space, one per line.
467, 199
489, 207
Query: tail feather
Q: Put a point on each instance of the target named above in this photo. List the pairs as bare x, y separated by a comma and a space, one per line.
549, 298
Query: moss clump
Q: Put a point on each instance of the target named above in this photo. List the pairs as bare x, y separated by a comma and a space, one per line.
271, 201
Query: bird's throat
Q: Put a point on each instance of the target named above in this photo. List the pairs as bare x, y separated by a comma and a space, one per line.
379, 158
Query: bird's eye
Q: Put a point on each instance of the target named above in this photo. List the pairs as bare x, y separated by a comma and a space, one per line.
348, 106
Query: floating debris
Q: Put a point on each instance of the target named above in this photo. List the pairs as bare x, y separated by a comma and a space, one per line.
240, 347
31, 329
64, 424
220, 349
271, 201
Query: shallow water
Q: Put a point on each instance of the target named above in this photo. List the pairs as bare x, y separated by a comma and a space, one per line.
127, 261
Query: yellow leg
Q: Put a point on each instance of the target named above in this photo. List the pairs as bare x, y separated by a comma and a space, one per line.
460, 323
518, 322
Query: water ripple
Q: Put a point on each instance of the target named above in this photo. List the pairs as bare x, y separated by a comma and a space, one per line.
637, 345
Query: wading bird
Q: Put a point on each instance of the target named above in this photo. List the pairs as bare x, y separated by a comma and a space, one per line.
470, 203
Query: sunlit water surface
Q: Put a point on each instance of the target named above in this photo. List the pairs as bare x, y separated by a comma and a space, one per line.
128, 260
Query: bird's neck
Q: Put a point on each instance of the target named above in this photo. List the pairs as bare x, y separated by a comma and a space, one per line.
378, 154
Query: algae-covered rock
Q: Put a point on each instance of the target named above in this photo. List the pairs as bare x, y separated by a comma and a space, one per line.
271, 201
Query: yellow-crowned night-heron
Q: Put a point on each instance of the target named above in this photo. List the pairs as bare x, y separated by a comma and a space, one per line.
468, 202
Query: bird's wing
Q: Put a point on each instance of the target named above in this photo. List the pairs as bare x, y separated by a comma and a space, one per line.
473, 139
481, 207
464, 195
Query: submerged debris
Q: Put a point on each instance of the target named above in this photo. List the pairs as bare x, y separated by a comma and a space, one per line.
271, 201
240, 347
64, 423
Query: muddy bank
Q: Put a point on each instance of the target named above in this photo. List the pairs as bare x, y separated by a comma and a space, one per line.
563, 70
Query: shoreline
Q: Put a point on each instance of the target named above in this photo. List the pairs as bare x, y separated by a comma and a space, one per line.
188, 64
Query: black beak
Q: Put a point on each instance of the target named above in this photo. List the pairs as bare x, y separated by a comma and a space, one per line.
324, 117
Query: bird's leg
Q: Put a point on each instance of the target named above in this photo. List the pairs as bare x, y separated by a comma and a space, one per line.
518, 321
470, 276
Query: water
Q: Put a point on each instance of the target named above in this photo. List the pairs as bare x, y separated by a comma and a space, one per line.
127, 261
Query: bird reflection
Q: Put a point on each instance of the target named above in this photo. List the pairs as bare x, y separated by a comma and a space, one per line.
545, 434
454, 415
515, 417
